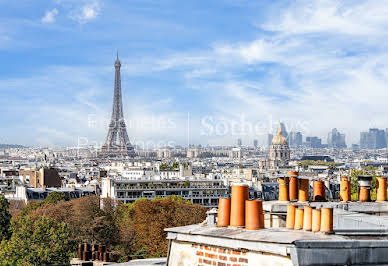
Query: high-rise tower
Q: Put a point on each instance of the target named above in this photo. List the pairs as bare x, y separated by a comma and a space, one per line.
117, 142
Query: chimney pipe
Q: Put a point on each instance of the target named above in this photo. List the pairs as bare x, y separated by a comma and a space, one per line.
293, 187
327, 220
364, 182
223, 216
381, 188
283, 188
237, 210
303, 189
345, 192
316, 220
254, 218
307, 218
290, 219
79, 251
319, 193
298, 218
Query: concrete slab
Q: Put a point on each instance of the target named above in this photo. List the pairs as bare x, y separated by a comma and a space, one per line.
271, 235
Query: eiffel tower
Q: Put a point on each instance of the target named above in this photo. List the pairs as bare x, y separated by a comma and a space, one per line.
117, 142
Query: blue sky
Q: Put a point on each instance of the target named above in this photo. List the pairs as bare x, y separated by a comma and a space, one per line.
204, 72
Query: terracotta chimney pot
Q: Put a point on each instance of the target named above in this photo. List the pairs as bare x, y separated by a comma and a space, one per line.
316, 220
290, 219
283, 188
223, 215
381, 189
345, 191
237, 210
319, 193
326, 220
307, 218
293, 187
298, 219
303, 189
254, 217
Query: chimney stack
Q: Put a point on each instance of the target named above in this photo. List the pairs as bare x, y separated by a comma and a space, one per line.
293, 187
345, 192
381, 188
364, 182
283, 188
237, 210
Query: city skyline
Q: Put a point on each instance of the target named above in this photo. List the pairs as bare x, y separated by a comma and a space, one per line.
186, 132
181, 67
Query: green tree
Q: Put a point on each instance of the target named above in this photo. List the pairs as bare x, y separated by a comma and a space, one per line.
88, 222
164, 166
31, 206
47, 232
354, 184
306, 163
37, 241
175, 165
55, 197
142, 224
369, 170
5, 218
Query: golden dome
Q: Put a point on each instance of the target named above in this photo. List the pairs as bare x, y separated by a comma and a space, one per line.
279, 139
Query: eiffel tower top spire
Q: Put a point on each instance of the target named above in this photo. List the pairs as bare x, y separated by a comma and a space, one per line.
117, 62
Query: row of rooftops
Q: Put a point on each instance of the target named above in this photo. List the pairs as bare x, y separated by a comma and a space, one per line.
32, 194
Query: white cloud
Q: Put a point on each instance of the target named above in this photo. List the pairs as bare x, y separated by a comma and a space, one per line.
86, 12
337, 16
66, 97
50, 15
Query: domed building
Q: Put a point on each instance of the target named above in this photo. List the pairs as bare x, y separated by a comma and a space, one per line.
279, 150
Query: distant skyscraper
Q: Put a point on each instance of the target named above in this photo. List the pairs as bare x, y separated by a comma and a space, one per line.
295, 139
381, 141
386, 136
239, 142
373, 139
364, 140
255, 143
313, 142
117, 142
335, 139
269, 139
355, 147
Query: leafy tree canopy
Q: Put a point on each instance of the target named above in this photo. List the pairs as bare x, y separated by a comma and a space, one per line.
175, 165
37, 241
142, 224
369, 170
164, 166
5, 218
47, 232
306, 163
55, 197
